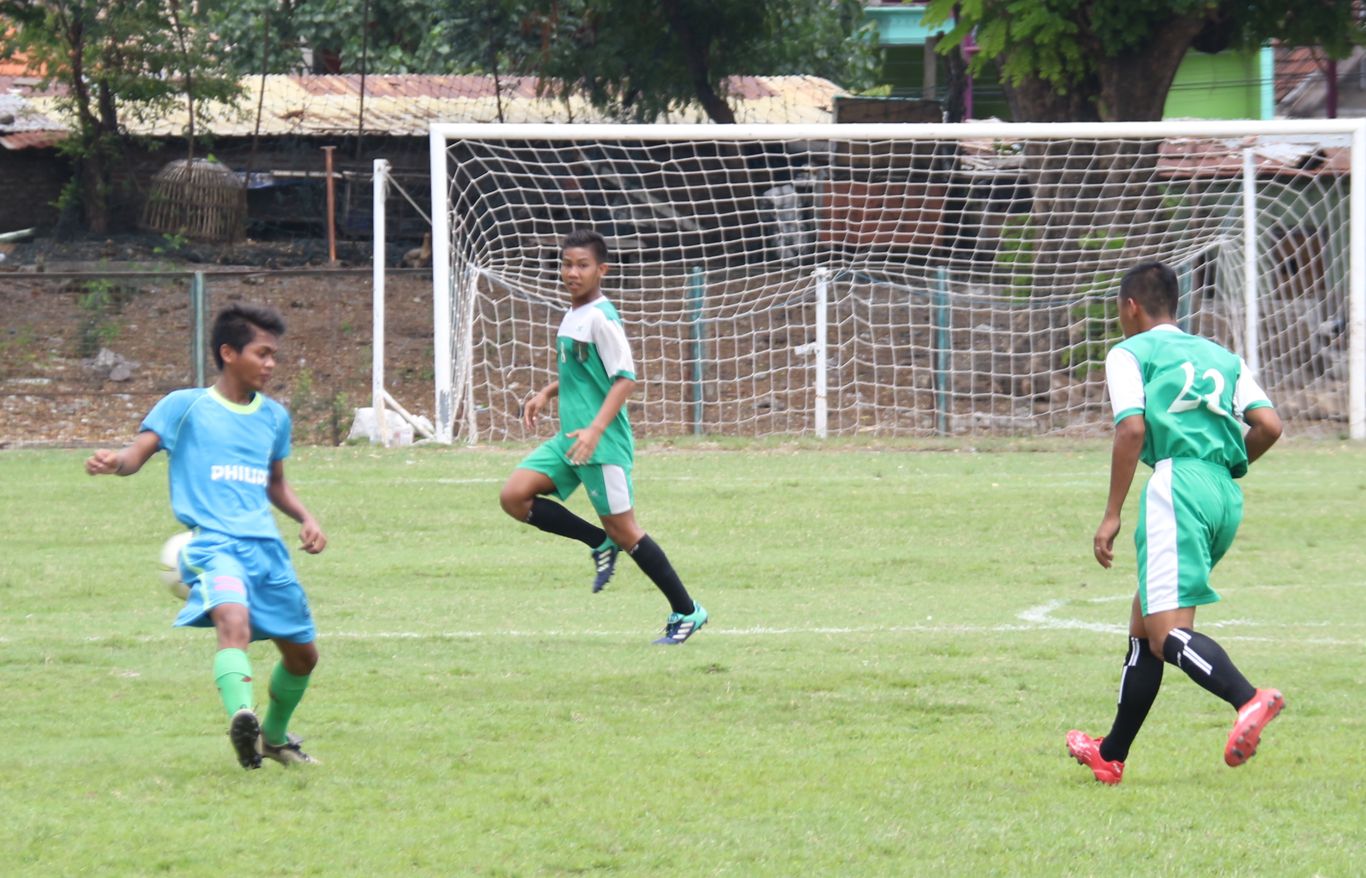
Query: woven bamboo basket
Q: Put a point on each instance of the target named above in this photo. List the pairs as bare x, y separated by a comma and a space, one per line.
200, 199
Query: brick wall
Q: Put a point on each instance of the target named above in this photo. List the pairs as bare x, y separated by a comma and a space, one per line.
30, 181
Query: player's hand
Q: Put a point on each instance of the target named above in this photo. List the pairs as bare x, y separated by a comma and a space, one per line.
1104, 543
311, 537
531, 409
103, 463
585, 443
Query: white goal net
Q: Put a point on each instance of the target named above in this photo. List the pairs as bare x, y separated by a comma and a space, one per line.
896, 279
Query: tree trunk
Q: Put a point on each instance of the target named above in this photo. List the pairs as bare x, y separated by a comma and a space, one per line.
1133, 87
695, 56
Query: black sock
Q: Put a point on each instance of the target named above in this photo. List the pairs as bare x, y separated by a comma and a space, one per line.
1138, 687
651, 559
1205, 662
553, 518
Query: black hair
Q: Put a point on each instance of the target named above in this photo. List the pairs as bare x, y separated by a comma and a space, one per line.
586, 238
1154, 286
236, 325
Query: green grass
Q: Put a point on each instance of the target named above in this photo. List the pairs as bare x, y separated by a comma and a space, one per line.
899, 640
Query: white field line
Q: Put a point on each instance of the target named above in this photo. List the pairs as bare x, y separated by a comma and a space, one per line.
1032, 620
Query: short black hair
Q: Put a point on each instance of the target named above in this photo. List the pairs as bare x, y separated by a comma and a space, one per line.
1154, 285
586, 238
236, 325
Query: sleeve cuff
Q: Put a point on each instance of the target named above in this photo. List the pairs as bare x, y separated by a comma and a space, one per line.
623, 373
1119, 416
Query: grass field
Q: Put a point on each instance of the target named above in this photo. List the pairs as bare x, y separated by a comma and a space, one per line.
899, 640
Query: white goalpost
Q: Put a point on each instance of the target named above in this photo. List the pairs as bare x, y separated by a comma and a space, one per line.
896, 279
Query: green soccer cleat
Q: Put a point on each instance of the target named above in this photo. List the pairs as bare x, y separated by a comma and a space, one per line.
680, 627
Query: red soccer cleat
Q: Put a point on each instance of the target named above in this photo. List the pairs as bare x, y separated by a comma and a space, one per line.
1086, 750
1247, 729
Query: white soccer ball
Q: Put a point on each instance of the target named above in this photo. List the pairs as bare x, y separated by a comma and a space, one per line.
170, 564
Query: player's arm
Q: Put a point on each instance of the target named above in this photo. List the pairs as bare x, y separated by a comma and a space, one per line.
1252, 404
1128, 399
538, 401
1266, 429
586, 439
125, 461
1124, 455
283, 498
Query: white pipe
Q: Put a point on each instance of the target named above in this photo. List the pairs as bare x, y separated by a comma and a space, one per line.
403, 413
960, 131
822, 357
441, 289
1356, 332
1250, 304
379, 188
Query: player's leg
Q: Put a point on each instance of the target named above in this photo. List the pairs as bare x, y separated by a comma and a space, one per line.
1138, 686
280, 611
546, 471
610, 490
288, 682
1188, 529
1139, 683
218, 598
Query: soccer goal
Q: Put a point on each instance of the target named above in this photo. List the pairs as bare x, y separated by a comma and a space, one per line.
897, 279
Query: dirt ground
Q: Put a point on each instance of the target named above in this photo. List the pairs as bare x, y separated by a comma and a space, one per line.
61, 304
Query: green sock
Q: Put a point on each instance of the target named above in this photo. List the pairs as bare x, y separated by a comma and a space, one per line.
286, 691
232, 673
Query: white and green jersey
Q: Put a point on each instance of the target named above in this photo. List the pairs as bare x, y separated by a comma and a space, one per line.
1191, 392
594, 353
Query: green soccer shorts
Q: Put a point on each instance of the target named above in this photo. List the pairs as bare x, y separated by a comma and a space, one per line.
1189, 514
608, 484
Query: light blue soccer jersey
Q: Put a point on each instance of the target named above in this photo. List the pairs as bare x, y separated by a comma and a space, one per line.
221, 454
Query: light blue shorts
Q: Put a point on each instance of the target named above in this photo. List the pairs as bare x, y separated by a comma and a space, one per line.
255, 572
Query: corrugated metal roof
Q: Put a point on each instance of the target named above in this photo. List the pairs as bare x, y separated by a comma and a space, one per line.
1295, 65
407, 105
32, 139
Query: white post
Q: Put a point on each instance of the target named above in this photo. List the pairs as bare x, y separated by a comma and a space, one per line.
822, 327
379, 189
468, 305
1356, 330
1250, 304
441, 289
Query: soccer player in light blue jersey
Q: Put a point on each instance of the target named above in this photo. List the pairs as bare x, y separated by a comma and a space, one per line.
1180, 405
227, 446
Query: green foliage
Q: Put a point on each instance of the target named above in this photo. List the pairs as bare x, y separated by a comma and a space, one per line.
119, 60
100, 303
1058, 41
630, 59
872, 703
320, 416
1016, 253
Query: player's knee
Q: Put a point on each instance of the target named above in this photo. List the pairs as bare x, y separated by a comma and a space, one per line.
1158, 646
302, 664
233, 624
515, 503
624, 533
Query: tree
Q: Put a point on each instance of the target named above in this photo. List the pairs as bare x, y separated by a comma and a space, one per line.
640, 60
1112, 60
112, 59
634, 60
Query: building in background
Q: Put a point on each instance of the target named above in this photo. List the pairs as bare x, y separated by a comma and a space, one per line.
1234, 84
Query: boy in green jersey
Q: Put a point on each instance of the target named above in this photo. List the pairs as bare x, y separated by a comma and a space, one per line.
594, 446
1179, 406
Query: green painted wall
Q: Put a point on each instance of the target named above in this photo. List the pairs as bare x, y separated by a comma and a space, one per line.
1223, 86
1230, 85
